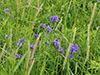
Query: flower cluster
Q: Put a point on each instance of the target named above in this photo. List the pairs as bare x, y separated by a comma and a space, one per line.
6, 9
48, 28
56, 44
20, 41
17, 55
73, 49
54, 18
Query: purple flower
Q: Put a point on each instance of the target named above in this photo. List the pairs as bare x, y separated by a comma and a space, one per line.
47, 42
60, 48
6, 36
0, 4
56, 43
45, 27
14, 53
79, 51
71, 56
73, 48
48, 29
42, 25
3, 52
21, 56
62, 51
6, 9
17, 55
18, 44
32, 46
51, 18
12, 16
35, 35
54, 18
8, 13
20, 41
99, 1
8, 52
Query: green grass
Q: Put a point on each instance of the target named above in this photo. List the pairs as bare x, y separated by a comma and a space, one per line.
47, 61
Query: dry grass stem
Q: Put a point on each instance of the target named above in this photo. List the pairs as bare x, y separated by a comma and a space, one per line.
30, 6
88, 35
67, 52
69, 6
74, 34
10, 39
36, 43
76, 68
36, 16
58, 24
31, 67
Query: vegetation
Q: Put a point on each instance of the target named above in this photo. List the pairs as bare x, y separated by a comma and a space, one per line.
49, 37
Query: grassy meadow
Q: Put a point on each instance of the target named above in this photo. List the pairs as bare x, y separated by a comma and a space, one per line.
49, 37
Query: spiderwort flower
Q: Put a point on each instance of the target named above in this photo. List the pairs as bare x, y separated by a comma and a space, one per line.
47, 42
12, 16
17, 56
8, 13
6, 9
48, 29
71, 56
20, 41
3, 52
8, 52
21, 56
79, 51
6, 36
60, 48
42, 25
62, 51
32, 46
73, 48
56, 43
18, 44
35, 35
45, 27
54, 18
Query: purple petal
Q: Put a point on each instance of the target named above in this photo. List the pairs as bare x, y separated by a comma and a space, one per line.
71, 56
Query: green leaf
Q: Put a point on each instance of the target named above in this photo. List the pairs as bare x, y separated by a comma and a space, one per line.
20, 62
50, 56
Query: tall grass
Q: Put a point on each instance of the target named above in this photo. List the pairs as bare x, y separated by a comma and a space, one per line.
76, 25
